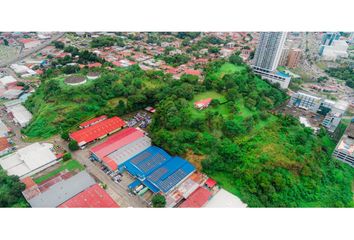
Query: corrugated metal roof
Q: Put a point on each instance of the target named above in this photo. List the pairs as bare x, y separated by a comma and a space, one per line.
117, 141
63, 191
98, 130
197, 199
92, 197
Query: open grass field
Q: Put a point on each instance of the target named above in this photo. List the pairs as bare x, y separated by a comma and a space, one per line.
69, 165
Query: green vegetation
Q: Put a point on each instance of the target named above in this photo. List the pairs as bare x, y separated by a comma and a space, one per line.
266, 159
70, 165
158, 201
343, 73
176, 60
11, 191
73, 145
59, 108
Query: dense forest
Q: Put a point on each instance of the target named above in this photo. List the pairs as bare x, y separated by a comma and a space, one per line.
264, 158
268, 160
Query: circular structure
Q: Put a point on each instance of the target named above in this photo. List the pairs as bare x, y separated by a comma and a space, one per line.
93, 75
75, 80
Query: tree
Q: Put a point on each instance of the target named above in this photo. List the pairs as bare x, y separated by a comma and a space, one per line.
235, 59
73, 146
121, 108
67, 156
158, 201
59, 45
65, 135
11, 190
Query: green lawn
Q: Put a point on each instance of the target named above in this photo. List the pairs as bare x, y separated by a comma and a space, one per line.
228, 68
209, 94
70, 165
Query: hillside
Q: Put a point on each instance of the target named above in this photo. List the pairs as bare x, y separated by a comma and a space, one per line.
267, 160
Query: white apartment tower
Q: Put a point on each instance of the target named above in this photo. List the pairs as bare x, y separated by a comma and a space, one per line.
269, 50
267, 56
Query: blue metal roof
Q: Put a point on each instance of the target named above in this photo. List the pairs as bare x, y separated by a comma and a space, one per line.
157, 170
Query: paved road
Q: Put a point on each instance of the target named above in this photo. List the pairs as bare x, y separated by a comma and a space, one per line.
36, 49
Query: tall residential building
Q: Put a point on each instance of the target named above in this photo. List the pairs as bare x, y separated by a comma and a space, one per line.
284, 56
267, 57
293, 58
269, 50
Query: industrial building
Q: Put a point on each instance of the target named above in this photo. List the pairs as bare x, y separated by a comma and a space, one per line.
97, 131
29, 160
62, 191
92, 197
93, 121
18, 113
197, 199
157, 170
120, 147
67, 190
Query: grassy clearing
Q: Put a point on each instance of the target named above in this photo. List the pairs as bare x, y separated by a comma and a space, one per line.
222, 108
70, 165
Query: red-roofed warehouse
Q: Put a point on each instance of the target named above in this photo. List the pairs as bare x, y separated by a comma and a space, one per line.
120, 147
97, 131
92, 197
197, 199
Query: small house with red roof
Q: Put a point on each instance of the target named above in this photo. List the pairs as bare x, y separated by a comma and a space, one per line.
202, 104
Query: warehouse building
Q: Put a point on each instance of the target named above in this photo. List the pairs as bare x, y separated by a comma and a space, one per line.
93, 121
19, 114
92, 197
120, 147
29, 160
97, 131
62, 191
197, 199
157, 170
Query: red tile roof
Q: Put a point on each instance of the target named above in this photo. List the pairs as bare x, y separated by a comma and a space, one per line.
92, 197
203, 103
98, 130
197, 199
116, 141
193, 72
97, 64
92, 121
210, 182
4, 144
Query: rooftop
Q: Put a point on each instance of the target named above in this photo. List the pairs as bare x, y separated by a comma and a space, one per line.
197, 199
224, 199
98, 130
92, 197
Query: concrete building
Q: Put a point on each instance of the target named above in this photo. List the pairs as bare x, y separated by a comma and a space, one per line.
293, 58
62, 191
19, 114
306, 101
284, 56
338, 49
29, 160
331, 121
269, 50
267, 57
344, 150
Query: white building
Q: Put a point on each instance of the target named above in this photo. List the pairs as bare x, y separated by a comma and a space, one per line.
267, 57
29, 160
7, 80
338, 49
19, 114
224, 199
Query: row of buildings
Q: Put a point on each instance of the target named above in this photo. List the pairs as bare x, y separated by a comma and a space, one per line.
147, 169
344, 150
331, 110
